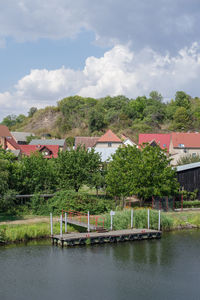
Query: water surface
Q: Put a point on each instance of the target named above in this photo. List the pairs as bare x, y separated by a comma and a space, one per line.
159, 269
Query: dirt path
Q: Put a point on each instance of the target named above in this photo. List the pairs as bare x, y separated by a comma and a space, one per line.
29, 221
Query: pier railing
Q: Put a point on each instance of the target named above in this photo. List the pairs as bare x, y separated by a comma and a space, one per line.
84, 218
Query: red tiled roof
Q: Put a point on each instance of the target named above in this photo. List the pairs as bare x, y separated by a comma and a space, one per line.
29, 149
163, 140
4, 131
186, 139
87, 141
109, 136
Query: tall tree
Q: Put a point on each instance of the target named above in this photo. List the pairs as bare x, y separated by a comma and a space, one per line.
77, 167
143, 172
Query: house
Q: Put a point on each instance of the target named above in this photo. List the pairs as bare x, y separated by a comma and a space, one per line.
7, 141
48, 151
21, 137
184, 143
109, 139
189, 177
160, 139
49, 142
86, 141
127, 141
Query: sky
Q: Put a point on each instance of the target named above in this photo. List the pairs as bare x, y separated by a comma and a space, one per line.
52, 49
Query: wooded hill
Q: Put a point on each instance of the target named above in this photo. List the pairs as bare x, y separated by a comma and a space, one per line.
78, 116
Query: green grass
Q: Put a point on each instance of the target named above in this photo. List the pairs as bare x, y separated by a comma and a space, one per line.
20, 233
122, 219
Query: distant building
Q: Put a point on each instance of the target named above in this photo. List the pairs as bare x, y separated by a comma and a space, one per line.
7, 142
177, 144
106, 145
21, 137
48, 151
50, 142
189, 177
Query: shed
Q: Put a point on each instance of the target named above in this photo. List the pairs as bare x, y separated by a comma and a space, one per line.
189, 177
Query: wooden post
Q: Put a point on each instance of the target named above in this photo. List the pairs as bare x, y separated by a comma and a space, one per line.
159, 220
148, 219
88, 217
167, 204
51, 222
182, 202
65, 222
61, 221
131, 218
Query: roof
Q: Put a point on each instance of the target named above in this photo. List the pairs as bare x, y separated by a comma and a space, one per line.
105, 152
53, 142
21, 136
12, 142
188, 166
161, 139
29, 149
109, 136
4, 131
186, 139
87, 141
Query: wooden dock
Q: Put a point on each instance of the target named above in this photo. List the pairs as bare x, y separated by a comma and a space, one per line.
74, 239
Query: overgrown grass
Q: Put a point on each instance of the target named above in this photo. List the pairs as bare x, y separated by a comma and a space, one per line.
122, 220
21, 233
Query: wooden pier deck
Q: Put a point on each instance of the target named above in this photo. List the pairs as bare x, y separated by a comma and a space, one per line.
105, 237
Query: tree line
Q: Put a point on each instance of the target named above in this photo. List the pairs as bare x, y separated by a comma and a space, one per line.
142, 172
142, 114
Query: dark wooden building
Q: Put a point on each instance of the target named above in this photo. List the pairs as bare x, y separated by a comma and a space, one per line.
189, 177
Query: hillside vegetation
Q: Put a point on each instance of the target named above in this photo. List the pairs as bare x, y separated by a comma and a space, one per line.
76, 115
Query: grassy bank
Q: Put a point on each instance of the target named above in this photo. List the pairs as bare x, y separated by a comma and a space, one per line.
24, 232
122, 220
169, 220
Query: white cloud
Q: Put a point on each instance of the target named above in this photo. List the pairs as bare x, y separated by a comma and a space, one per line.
159, 24
119, 71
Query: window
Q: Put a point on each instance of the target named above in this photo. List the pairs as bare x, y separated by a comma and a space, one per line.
194, 154
109, 144
181, 145
164, 145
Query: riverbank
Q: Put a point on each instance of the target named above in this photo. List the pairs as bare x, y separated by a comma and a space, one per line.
14, 230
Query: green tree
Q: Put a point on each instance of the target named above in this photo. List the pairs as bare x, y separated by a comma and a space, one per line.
32, 111
181, 119
36, 174
143, 172
77, 167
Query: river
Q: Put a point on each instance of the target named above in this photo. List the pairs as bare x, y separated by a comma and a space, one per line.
159, 269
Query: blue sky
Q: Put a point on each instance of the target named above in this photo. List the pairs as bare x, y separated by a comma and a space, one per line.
53, 49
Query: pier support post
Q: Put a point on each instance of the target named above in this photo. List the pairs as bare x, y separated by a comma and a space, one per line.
61, 221
88, 217
148, 219
111, 222
159, 220
51, 222
65, 222
131, 218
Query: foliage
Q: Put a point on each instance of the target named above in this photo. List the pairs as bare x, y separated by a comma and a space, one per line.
77, 167
188, 159
32, 111
188, 204
12, 120
31, 137
143, 172
83, 202
36, 174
